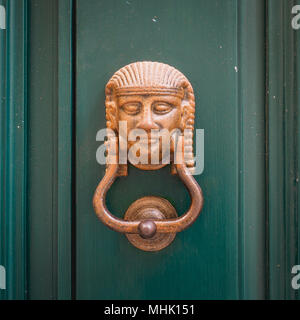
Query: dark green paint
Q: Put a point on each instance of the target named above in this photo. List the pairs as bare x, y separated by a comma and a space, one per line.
65, 93
3, 147
251, 153
283, 149
42, 149
200, 38
247, 238
13, 104
50, 141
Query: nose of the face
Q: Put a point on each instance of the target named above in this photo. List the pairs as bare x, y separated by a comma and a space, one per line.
147, 123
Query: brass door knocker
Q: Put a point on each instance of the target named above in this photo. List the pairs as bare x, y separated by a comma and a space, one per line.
146, 103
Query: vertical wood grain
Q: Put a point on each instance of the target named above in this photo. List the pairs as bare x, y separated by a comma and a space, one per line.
50, 149
200, 39
283, 148
252, 184
65, 180
13, 79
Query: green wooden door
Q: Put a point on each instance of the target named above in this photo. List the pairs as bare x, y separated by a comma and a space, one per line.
200, 38
240, 56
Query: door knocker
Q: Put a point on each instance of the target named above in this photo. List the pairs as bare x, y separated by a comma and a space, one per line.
150, 110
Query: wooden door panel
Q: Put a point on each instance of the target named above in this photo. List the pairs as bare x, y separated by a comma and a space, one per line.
200, 39
241, 58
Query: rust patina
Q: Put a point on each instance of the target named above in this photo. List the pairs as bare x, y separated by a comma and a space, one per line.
150, 96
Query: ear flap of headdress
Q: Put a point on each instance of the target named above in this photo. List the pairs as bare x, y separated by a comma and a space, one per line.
111, 107
187, 122
112, 123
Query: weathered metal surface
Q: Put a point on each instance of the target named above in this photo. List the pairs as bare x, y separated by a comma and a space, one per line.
146, 209
149, 96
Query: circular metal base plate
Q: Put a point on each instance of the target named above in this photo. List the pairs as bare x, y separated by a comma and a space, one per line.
151, 208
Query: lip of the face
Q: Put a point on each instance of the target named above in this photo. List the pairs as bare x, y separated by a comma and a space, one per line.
149, 140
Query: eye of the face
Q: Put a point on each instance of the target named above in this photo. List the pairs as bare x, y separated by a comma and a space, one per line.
162, 107
131, 108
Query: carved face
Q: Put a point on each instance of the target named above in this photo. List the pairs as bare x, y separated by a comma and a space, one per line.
150, 96
150, 113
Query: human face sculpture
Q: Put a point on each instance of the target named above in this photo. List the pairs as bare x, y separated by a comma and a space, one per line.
151, 113
155, 101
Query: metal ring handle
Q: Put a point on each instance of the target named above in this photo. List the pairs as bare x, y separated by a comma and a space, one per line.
161, 226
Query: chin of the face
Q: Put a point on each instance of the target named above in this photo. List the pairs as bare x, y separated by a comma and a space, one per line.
148, 166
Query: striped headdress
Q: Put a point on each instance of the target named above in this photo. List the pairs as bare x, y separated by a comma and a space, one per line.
148, 77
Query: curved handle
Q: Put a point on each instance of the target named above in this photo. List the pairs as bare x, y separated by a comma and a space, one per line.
160, 226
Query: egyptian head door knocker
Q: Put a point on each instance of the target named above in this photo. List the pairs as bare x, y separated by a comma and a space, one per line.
149, 105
